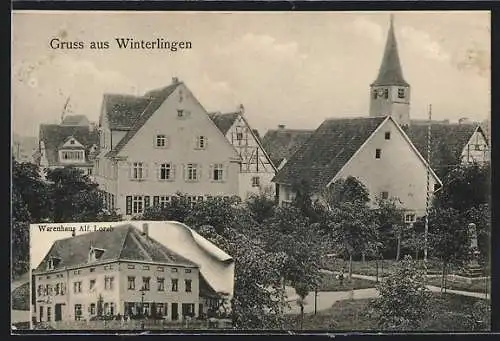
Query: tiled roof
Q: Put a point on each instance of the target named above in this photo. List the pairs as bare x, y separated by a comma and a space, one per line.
322, 156
224, 121
123, 243
447, 143
283, 143
75, 120
122, 111
54, 136
390, 72
156, 98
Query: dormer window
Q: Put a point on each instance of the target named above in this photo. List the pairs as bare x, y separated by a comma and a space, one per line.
53, 263
401, 93
386, 93
72, 142
95, 254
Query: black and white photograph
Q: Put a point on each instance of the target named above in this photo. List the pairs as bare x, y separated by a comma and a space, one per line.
286, 171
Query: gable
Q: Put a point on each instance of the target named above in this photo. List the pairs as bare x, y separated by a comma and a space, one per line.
322, 156
161, 116
72, 143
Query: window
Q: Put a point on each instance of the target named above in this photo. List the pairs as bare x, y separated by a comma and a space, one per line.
58, 289
218, 172
137, 170
401, 93
108, 283
166, 171
187, 284
385, 195
477, 147
92, 308
163, 200
175, 283
49, 313
130, 266
76, 272
145, 283
375, 94
386, 93
72, 155
92, 284
137, 204
180, 113
89, 171
239, 136
174, 269
72, 142
92, 269
145, 267
48, 277
160, 310
378, 152
77, 287
201, 142
192, 200
255, 181
161, 283
410, 218
192, 172
387, 135
188, 271
161, 141
131, 283
112, 308
160, 269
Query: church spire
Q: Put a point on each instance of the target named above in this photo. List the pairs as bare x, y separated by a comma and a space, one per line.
390, 72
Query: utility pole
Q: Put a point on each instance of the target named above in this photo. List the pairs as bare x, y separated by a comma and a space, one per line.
315, 300
427, 206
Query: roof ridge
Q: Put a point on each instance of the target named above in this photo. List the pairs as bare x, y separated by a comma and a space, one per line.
135, 235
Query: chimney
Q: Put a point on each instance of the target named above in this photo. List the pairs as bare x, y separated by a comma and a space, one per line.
281, 126
145, 229
175, 80
241, 109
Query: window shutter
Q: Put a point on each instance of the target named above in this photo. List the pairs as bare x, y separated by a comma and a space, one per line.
211, 172
129, 205
172, 171
225, 172
156, 200
147, 201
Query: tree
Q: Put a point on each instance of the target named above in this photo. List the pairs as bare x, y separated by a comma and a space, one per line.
390, 217
449, 239
303, 200
20, 235
349, 189
404, 299
259, 299
217, 212
261, 206
352, 227
73, 197
176, 209
302, 289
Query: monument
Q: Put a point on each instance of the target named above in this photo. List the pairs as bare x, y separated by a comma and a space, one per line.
473, 269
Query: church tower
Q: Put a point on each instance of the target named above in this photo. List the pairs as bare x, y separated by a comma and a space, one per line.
390, 93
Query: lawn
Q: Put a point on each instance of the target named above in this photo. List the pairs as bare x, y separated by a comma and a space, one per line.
369, 267
476, 286
446, 313
20, 297
330, 283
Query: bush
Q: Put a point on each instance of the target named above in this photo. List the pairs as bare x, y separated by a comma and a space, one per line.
404, 299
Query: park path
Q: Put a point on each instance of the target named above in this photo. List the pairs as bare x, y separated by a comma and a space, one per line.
325, 299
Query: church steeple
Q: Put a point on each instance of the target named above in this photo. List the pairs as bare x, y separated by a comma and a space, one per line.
390, 93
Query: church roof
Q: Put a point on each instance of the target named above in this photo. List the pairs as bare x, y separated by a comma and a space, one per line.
390, 72
322, 156
283, 143
122, 243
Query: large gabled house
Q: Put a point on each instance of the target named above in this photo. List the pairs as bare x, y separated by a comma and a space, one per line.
452, 144
125, 271
374, 150
62, 145
281, 143
156, 145
256, 168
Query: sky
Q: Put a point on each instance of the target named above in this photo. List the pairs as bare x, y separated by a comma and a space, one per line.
292, 68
